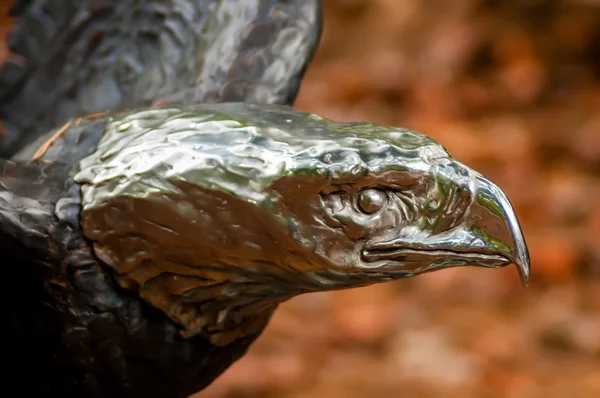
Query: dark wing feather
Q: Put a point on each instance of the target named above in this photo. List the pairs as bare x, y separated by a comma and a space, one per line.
32, 293
76, 57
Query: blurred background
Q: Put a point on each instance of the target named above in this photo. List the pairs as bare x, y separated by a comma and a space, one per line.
511, 89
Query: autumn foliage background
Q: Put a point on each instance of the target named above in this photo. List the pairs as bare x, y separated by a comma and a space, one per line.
511, 89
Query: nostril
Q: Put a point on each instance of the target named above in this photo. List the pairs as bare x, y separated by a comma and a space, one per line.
432, 204
450, 213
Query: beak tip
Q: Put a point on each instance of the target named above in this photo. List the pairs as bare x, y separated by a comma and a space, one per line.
524, 279
523, 264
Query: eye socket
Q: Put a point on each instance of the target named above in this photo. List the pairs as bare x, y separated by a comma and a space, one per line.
371, 200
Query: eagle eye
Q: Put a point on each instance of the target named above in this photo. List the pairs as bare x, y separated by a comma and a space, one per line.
371, 200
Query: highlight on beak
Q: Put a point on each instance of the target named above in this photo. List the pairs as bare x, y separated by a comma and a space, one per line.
493, 215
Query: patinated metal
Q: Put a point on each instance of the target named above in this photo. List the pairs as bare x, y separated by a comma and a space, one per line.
215, 214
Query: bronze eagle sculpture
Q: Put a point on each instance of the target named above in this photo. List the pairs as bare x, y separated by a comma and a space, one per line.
159, 196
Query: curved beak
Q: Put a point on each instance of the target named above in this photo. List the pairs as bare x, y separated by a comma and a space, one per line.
493, 216
487, 234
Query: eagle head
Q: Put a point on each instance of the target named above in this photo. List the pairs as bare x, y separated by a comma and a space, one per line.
217, 213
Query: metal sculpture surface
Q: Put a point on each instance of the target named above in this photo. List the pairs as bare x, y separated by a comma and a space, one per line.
148, 248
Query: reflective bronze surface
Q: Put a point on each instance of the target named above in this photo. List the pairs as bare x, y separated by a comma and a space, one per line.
216, 213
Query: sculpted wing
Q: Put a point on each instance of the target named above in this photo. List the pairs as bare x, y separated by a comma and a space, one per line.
72, 58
